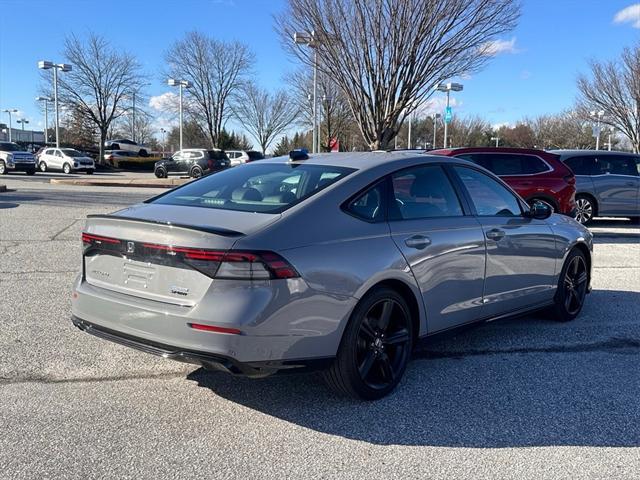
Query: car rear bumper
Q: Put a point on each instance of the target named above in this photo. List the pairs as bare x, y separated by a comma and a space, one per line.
207, 360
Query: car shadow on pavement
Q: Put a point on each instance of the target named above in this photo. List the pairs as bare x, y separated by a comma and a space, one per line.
6, 205
558, 387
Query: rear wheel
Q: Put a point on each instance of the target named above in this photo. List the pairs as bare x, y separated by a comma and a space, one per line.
3, 168
585, 209
375, 347
66, 168
115, 146
196, 172
43, 167
143, 153
572, 287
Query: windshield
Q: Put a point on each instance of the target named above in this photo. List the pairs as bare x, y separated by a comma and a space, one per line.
70, 152
10, 147
261, 188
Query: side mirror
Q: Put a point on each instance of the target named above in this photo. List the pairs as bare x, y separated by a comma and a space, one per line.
539, 211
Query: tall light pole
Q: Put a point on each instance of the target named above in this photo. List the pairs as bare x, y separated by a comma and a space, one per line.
448, 87
436, 116
46, 101
496, 139
308, 38
596, 132
10, 111
65, 67
180, 84
162, 132
22, 121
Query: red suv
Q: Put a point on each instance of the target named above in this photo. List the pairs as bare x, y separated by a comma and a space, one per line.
533, 174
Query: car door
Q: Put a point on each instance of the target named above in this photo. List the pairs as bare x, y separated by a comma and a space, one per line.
443, 247
58, 159
175, 165
521, 251
616, 184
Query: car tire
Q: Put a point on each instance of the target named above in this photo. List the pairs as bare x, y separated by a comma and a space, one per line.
196, 172
89, 172
42, 166
31, 171
143, 153
114, 146
572, 287
586, 209
66, 168
160, 173
372, 358
3, 168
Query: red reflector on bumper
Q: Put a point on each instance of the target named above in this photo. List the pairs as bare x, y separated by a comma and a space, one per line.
213, 328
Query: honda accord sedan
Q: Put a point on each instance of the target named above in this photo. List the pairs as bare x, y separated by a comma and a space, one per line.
340, 262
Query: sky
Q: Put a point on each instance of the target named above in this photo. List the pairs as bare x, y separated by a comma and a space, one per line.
533, 72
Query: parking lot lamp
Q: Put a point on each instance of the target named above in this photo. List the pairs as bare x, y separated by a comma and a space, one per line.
10, 111
306, 38
163, 132
496, 139
64, 67
180, 84
596, 132
448, 87
46, 101
435, 117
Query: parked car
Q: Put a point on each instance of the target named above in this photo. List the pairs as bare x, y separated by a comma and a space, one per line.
128, 145
194, 162
238, 157
13, 157
65, 159
608, 183
536, 175
229, 272
114, 157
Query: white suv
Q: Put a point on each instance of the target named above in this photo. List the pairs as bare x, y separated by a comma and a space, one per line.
66, 159
238, 157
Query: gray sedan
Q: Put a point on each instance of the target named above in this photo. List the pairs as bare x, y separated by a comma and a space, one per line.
340, 262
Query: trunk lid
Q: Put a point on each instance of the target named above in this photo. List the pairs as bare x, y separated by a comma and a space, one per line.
124, 251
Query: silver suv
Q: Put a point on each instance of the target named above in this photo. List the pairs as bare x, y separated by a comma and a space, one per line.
12, 157
607, 183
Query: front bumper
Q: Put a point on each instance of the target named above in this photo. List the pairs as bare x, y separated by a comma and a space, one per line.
21, 166
204, 359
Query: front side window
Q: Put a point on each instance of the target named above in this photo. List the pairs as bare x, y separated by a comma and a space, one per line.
260, 188
618, 165
423, 192
489, 197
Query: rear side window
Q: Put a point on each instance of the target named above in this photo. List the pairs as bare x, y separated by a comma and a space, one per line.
255, 155
260, 188
506, 164
423, 192
369, 205
618, 165
585, 165
490, 198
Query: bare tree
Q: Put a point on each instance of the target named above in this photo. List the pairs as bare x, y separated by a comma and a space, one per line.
263, 115
101, 79
217, 70
563, 130
615, 88
387, 55
334, 114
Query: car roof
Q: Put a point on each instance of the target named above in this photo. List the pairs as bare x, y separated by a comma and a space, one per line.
363, 160
574, 153
452, 151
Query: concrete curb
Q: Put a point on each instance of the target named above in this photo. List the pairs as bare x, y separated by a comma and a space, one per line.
129, 182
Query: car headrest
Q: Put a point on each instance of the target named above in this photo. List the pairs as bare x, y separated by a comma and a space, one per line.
246, 194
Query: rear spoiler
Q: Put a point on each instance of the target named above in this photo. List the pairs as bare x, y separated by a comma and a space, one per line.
225, 232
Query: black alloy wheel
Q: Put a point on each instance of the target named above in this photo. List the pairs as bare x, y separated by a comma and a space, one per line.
572, 287
375, 348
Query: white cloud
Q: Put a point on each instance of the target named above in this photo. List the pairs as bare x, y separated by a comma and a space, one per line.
496, 47
631, 15
437, 104
166, 102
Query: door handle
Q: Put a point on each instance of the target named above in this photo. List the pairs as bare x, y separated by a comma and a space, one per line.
495, 234
418, 241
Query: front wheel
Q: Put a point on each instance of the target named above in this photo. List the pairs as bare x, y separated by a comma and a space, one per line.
43, 167
585, 210
375, 347
572, 287
31, 171
3, 168
160, 173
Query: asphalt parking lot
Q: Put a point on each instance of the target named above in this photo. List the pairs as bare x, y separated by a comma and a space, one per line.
526, 398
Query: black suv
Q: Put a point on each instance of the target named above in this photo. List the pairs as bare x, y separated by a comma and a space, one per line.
194, 162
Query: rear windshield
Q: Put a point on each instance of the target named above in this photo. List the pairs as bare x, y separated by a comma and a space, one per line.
216, 154
9, 147
262, 188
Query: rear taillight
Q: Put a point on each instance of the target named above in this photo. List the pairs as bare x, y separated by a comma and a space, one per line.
214, 328
232, 264
88, 238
